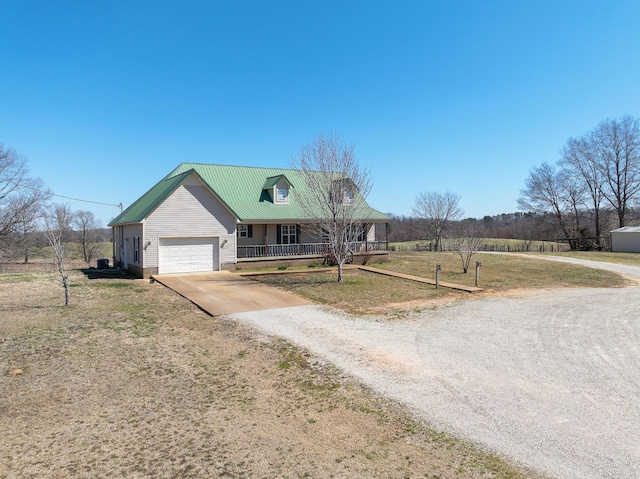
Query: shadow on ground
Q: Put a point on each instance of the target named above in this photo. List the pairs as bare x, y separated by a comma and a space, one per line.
114, 273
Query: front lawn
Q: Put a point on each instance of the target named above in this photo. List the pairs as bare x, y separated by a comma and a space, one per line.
499, 274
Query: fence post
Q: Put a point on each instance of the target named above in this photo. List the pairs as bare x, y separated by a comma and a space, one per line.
478, 264
438, 268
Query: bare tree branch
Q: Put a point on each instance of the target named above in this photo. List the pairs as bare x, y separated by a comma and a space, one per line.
579, 159
335, 194
544, 193
439, 210
469, 245
20, 196
58, 231
616, 144
86, 224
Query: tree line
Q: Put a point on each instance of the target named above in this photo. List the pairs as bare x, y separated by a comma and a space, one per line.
517, 225
438, 216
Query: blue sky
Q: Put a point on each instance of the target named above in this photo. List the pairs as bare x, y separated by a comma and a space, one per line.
105, 98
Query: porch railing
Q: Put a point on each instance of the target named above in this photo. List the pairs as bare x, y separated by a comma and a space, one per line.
263, 251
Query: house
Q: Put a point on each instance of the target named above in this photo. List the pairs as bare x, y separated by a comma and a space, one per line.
626, 239
204, 217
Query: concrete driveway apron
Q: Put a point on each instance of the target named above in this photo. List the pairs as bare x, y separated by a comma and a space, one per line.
222, 292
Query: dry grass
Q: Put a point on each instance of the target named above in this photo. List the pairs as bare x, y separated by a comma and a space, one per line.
133, 381
365, 292
501, 273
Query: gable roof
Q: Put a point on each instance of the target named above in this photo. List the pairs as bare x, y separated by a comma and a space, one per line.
273, 180
240, 188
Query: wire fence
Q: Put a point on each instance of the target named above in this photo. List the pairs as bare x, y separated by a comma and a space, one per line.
448, 246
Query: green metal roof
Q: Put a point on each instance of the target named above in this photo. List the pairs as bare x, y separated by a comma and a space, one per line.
240, 188
273, 180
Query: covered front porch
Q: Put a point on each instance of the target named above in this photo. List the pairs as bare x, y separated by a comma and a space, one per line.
292, 244
306, 249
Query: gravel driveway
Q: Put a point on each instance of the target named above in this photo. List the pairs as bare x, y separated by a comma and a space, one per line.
550, 379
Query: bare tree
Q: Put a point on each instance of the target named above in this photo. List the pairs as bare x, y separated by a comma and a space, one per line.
334, 193
579, 158
58, 222
26, 229
545, 193
617, 146
439, 210
469, 245
573, 195
87, 227
19, 193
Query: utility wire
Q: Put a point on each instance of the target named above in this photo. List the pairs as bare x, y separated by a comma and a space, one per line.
119, 205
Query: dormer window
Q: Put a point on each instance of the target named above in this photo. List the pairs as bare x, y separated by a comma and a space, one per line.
342, 191
348, 196
282, 194
278, 188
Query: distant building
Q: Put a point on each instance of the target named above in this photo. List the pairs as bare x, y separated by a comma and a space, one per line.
626, 239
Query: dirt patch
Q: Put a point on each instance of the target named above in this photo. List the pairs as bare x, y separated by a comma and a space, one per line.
131, 380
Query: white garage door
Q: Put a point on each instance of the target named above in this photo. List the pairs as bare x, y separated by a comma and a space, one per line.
187, 255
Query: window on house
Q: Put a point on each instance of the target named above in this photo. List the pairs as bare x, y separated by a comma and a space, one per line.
348, 196
288, 234
245, 231
358, 233
282, 195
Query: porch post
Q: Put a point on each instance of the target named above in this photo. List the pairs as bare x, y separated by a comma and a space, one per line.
386, 236
366, 237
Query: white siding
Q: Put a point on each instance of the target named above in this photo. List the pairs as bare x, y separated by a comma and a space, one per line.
128, 232
191, 211
371, 232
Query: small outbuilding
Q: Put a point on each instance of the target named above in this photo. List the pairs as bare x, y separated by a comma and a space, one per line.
626, 239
